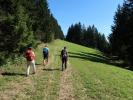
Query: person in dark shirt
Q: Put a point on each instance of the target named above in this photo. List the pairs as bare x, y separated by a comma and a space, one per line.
64, 58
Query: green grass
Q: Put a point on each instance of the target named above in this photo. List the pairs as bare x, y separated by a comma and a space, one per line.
92, 76
100, 80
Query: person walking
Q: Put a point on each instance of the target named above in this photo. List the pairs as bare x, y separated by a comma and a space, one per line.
30, 57
64, 58
45, 55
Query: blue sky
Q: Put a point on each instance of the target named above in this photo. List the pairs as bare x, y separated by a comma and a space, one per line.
89, 12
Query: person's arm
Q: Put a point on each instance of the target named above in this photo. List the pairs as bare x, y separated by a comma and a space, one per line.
33, 54
67, 53
61, 55
48, 52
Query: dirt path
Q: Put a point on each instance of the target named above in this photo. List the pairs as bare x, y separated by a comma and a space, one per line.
66, 88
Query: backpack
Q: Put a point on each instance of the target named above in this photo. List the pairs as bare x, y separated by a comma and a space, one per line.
29, 55
45, 51
64, 54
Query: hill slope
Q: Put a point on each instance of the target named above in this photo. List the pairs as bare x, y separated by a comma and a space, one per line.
88, 76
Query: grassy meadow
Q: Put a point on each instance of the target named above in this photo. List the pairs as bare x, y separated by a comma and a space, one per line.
89, 76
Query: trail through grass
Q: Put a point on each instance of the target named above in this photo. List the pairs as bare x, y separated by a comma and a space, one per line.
66, 86
89, 76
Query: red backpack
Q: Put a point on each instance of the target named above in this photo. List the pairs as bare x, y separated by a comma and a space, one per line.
29, 55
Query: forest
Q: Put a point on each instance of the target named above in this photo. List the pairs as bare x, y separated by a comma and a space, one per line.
24, 23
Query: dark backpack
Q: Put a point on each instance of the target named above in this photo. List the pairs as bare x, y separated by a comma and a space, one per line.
64, 54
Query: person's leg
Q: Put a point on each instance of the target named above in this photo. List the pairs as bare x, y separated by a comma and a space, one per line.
44, 59
28, 68
65, 64
62, 64
34, 67
47, 59
44, 62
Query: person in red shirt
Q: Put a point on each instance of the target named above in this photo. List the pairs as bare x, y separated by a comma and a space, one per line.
30, 57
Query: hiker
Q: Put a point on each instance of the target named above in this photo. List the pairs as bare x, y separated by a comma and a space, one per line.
45, 55
30, 57
64, 58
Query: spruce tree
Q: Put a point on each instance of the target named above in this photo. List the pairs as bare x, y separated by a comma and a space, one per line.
122, 32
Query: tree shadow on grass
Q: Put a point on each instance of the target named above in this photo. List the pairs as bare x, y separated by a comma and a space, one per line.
12, 74
95, 58
88, 56
96, 55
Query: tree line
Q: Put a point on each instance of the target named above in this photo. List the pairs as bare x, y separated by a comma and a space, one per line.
121, 38
25, 22
87, 36
120, 41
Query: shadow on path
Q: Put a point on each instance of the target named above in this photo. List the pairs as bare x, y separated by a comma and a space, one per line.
37, 64
51, 69
12, 74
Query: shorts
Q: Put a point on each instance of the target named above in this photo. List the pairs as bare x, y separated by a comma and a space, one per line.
45, 56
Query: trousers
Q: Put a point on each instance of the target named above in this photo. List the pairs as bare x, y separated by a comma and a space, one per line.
30, 64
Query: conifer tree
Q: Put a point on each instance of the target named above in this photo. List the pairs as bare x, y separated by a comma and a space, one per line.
121, 38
